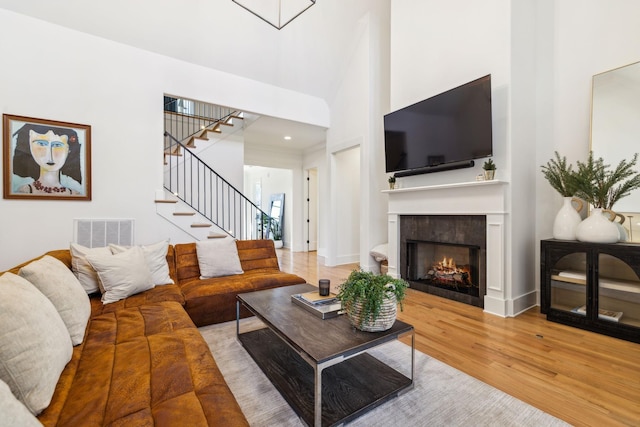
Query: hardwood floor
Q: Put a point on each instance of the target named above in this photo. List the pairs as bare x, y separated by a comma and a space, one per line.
583, 378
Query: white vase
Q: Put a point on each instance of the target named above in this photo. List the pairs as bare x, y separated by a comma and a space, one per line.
618, 220
597, 228
581, 206
622, 231
566, 222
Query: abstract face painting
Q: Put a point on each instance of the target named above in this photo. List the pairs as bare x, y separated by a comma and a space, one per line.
46, 159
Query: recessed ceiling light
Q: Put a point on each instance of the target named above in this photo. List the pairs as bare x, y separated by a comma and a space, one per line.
287, 138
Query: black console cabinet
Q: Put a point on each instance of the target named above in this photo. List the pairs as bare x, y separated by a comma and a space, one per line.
593, 286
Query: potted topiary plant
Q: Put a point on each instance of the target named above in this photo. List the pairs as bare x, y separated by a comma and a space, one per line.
489, 170
370, 300
392, 182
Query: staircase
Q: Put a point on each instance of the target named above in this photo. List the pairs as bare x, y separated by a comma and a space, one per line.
196, 199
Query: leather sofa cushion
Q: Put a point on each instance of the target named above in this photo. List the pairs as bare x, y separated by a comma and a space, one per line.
154, 295
257, 255
63, 255
214, 300
253, 254
144, 365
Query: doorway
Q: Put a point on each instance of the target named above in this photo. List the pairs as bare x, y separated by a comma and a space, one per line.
261, 183
311, 196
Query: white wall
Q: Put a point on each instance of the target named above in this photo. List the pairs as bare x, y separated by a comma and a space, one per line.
226, 157
436, 46
59, 74
356, 117
346, 198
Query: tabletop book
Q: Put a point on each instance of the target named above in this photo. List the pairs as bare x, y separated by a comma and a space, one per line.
323, 307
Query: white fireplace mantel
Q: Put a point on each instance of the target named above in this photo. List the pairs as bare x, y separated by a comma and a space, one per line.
468, 198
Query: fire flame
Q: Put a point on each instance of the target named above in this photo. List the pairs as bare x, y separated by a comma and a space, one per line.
447, 272
448, 263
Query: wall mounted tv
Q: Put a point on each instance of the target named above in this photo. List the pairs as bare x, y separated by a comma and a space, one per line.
446, 131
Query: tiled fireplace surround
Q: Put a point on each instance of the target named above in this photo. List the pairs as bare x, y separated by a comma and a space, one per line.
473, 198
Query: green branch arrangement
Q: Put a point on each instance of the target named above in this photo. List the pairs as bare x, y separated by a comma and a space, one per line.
593, 181
601, 186
561, 176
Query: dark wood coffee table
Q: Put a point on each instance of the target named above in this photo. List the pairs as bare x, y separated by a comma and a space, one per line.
320, 367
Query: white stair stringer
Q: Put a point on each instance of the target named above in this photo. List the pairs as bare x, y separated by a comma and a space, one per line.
185, 218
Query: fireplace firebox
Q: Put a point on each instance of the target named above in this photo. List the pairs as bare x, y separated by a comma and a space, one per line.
445, 255
447, 266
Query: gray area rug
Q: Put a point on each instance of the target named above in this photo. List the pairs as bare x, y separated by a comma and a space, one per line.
441, 396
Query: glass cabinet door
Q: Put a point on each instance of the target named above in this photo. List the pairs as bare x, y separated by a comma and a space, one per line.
618, 291
568, 289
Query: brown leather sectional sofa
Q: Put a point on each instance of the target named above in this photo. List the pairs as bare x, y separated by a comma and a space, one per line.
143, 361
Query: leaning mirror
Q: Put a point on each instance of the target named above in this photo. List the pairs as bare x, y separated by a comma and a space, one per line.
276, 212
615, 131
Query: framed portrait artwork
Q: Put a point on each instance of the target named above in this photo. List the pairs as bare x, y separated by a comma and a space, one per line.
46, 159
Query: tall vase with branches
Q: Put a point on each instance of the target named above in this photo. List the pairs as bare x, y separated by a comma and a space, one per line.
602, 187
563, 179
561, 176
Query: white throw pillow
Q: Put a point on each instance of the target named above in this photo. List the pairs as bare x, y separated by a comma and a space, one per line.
82, 269
156, 256
218, 257
14, 413
380, 252
63, 289
34, 342
123, 274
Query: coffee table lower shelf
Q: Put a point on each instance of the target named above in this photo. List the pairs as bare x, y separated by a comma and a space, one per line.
349, 388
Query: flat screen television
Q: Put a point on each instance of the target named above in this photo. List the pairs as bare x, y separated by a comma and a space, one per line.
443, 132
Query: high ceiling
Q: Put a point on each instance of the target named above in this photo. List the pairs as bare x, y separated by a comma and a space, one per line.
308, 55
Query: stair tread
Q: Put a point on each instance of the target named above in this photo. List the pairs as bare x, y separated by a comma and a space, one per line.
184, 213
200, 224
165, 201
216, 236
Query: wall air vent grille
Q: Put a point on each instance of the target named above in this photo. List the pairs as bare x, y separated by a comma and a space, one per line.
94, 233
